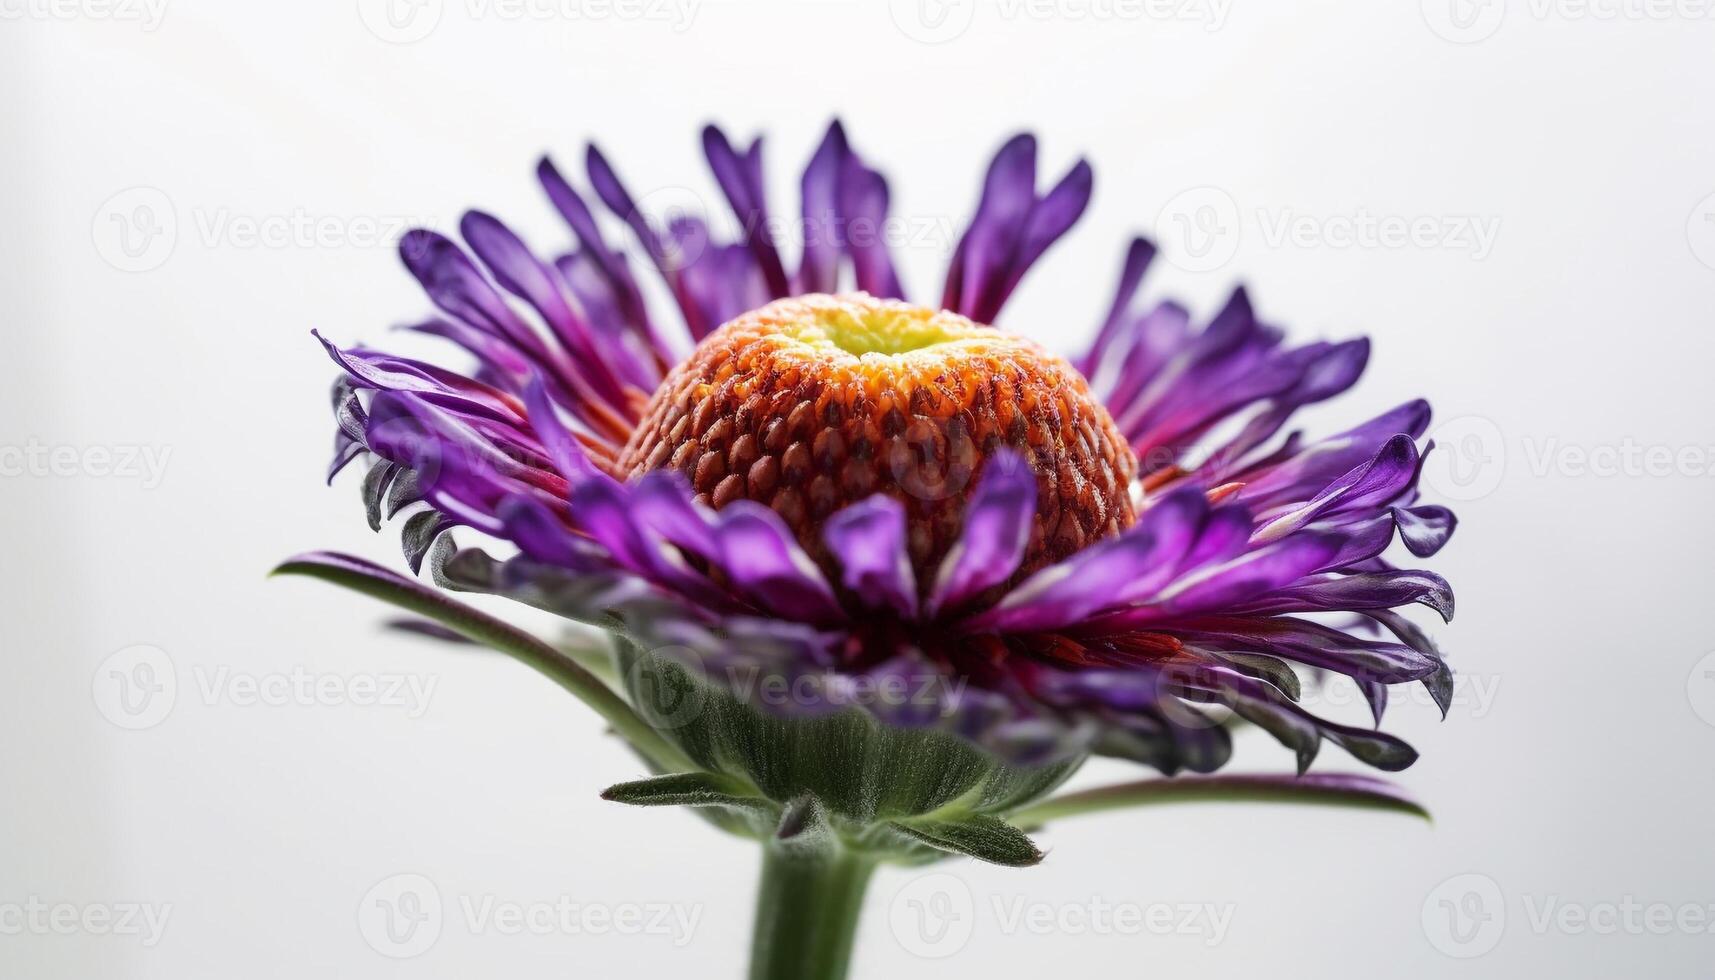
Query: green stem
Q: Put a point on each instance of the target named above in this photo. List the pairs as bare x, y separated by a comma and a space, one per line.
479, 627
1359, 792
807, 912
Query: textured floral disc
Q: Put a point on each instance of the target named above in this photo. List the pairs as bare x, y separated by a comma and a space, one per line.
813, 403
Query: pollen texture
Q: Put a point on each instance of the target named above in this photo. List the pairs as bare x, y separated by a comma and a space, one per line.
812, 403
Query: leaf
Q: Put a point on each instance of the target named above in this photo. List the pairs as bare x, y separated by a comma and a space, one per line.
389, 586
1316, 789
688, 789
975, 835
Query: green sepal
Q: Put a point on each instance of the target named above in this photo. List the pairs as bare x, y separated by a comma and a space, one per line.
721, 800
686, 789
863, 773
976, 835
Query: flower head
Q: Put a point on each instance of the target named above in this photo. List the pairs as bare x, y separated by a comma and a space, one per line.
842, 491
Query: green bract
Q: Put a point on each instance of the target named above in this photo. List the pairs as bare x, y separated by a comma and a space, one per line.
899, 794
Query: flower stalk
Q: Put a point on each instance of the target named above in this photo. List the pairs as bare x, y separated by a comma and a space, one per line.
808, 905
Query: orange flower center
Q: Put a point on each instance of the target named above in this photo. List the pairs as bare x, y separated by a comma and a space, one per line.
809, 404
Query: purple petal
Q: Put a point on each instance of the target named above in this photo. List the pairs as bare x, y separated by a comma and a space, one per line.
521, 273
542, 536
1424, 529
612, 265
868, 538
740, 179
996, 530
819, 270
1310, 643
456, 286
664, 501
562, 447
1362, 591
1110, 573
1308, 470
759, 553
1380, 479
1256, 573
1051, 218
863, 205
1009, 191
1137, 259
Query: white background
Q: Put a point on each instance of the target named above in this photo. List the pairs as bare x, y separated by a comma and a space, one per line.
1575, 772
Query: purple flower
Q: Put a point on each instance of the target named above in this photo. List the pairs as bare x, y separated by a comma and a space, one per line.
845, 494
